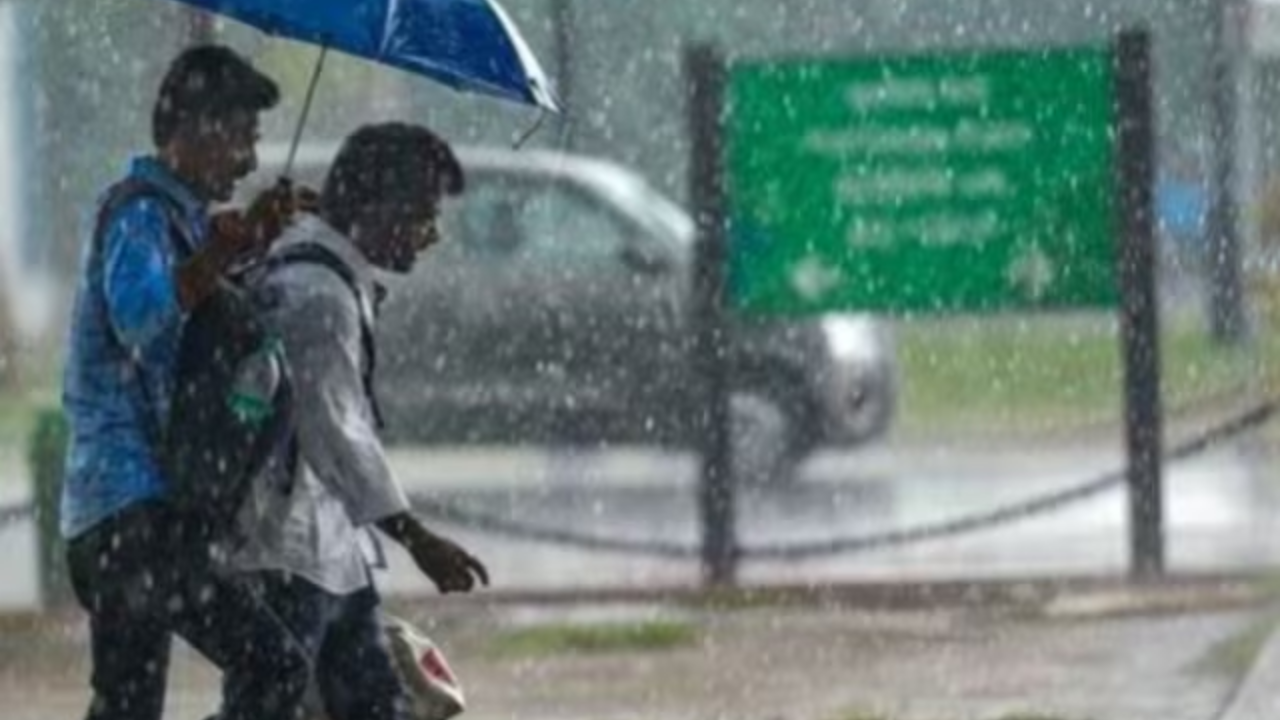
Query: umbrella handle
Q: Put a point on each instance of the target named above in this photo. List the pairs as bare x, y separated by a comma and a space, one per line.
306, 111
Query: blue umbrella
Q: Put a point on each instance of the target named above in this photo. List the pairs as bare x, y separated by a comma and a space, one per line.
469, 45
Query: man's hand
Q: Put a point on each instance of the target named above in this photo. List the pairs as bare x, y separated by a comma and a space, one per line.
237, 234
253, 230
451, 568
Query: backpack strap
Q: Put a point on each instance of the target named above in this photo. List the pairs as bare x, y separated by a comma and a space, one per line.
316, 254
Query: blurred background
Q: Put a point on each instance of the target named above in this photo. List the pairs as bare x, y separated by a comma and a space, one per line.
979, 410
545, 411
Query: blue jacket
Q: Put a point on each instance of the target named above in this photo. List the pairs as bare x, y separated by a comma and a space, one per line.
125, 330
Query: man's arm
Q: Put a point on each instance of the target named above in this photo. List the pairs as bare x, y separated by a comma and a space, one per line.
449, 566
339, 442
336, 435
197, 277
234, 234
147, 291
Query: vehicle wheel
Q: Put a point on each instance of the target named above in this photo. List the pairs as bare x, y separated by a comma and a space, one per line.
763, 439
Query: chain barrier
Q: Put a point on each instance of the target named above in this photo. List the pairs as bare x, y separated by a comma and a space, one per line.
1238, 425
452, 513
1009, 514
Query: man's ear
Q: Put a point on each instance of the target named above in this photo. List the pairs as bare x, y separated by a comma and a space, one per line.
364, 233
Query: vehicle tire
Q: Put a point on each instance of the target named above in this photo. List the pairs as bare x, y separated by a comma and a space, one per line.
763, 439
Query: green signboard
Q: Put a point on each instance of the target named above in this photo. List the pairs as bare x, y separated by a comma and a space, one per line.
956, 182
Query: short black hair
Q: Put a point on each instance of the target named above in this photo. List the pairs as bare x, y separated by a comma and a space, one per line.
389, 160
209, 81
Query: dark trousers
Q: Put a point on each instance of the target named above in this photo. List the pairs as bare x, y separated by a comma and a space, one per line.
141, 583
354, 672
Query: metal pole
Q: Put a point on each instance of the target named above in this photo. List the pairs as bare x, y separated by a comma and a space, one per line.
565, 38
706, 75
1139, 320
1227, 322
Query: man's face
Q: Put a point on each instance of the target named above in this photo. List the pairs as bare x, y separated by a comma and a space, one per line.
223, 152
400, 231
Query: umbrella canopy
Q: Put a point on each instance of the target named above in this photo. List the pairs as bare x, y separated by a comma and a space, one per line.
469, 45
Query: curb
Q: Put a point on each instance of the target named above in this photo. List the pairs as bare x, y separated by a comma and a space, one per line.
1051, 598
1257, 697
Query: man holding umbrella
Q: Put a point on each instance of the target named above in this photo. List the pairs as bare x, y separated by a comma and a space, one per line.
152, 258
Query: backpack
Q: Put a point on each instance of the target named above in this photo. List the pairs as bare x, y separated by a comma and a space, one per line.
210, 451
213, 451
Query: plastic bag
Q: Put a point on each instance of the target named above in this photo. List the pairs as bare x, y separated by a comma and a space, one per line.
433, 688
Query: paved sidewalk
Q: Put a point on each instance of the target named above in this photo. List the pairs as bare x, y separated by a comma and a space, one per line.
1258, 695
1088, 657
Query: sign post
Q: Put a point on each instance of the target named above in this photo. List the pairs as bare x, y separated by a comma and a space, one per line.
716, 498
952, 182
1139, 307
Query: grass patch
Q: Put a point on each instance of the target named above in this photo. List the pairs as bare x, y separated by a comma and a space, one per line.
1013, 373
1031, 716
595, 638
860, 715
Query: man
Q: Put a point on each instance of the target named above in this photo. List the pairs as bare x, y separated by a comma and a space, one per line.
153, 257
378, 210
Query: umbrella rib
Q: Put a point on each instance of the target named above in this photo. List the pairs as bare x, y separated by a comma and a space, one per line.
392, 11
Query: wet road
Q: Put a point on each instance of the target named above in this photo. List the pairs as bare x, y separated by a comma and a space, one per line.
1222, 512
